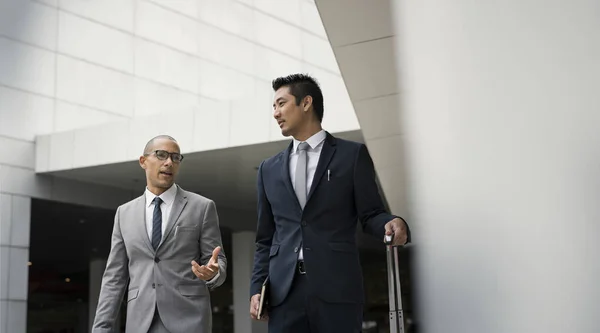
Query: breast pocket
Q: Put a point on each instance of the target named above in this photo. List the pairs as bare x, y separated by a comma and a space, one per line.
185, 232
132, 294
336, 189
274, 250
186, 242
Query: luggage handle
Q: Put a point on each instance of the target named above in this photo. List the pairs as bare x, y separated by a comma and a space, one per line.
394, 287
388, 239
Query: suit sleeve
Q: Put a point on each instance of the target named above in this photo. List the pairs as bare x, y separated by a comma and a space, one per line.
114, 281
264, 237
210, 239
371, 211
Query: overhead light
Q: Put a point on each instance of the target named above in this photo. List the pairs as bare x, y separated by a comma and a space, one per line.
82, 221
67, 280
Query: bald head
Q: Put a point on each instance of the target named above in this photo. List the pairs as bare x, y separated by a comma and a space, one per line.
150, 145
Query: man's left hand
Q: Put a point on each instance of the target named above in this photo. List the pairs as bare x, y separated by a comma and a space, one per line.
208, 271
397, 227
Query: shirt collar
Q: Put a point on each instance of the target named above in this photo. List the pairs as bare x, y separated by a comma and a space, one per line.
167, 196
313, 141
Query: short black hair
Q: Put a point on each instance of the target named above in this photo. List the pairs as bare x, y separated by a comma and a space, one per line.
149, 144
302, 85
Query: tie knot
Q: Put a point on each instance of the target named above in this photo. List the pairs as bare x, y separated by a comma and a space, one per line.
303, 146
157, 201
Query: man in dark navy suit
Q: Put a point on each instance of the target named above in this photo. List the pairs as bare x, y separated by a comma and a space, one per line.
310, 198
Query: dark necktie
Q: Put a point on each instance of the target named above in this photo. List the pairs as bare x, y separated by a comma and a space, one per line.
300, 181
156, 223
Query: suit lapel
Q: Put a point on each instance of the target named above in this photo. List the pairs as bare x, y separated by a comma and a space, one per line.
326, 155
178, 205
140, 218
285, 173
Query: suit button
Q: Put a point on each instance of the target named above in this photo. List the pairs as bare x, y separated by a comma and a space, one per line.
153, 286
157, 260
304, 223
296, 249
307, 248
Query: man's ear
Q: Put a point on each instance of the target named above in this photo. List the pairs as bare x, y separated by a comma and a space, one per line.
143, 162
307, 103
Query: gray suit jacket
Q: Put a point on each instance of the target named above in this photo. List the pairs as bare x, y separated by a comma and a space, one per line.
161, 279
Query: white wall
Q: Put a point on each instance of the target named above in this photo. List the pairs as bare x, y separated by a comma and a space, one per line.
198, 70
502, 120
71, 64
366, 57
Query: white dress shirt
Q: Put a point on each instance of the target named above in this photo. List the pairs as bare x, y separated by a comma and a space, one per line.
168, 198
313, 153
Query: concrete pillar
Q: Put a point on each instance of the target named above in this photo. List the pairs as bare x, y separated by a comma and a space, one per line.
502, 117
82, 320
97, 267
243, 259
15, 221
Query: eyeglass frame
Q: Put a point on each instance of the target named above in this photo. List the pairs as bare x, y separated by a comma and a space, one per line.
170, 155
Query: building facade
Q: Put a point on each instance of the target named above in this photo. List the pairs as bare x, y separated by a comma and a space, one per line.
84, 85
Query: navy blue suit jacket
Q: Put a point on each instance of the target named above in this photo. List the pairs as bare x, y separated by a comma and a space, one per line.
325, 228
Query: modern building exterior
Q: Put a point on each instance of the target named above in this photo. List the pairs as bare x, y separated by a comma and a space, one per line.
482, 120
84, 85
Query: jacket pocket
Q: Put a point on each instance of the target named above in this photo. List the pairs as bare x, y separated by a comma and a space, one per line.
274, 250
186, 231
343, 247
192, 289
132, 294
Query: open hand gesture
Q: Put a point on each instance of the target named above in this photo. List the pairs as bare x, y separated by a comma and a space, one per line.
208, 271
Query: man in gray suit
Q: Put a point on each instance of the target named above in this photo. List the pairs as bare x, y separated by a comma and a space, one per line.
157, 242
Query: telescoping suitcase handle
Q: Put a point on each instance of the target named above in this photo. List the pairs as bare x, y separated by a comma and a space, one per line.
394, 287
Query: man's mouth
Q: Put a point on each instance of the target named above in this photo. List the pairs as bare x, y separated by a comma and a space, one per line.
170, 174
280, 123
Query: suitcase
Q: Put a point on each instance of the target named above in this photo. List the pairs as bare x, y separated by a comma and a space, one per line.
394, 287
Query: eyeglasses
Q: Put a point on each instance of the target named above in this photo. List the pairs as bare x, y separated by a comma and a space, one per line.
163, 155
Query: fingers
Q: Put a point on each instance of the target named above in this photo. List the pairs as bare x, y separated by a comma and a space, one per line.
397, 228
205, 272
389, 229
214, 267
400, 237
254, 303
215, 254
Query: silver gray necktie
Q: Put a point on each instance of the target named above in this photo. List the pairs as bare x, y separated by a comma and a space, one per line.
300, 182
